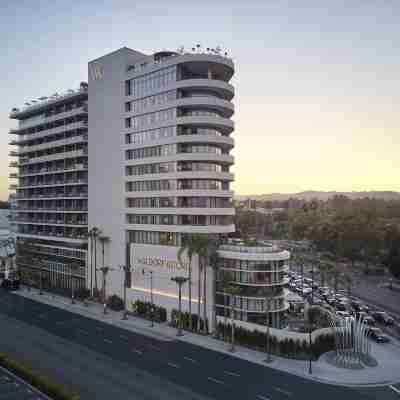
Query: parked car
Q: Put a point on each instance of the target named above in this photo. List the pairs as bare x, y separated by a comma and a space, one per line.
383, 317
377, 335
10, 284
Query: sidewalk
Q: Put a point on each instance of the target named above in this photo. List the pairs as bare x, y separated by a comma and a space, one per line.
388, 355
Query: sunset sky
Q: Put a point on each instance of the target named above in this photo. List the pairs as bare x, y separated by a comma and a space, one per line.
317, 85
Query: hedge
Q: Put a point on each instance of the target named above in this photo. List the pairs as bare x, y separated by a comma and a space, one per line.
288, 348
115, 303
41, 382
143, 309
186, 321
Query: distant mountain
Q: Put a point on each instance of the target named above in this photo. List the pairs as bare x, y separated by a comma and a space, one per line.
310, 194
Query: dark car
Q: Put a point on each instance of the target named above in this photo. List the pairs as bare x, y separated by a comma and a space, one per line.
384, 318
10, 284
377, 335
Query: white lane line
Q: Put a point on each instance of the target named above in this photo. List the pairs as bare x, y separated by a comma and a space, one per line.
215, 380
123, 337
137, 351
278, 389
173, 365
154, 347
261, 397
191, 360
231, 373
395, 389
107, 341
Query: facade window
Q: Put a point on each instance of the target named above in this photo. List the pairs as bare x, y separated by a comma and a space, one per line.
154, 151
149, 135
128, 106
143, 85
141, 105
152, 118
128, 123
173, 184
149, 237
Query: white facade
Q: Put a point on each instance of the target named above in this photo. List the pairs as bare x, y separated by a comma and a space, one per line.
159, 160
51, 198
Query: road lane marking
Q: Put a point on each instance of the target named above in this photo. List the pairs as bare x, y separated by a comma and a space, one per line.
215, 380
191, 360
395, 389
173, 365
231, 373
278, 389
107, 341
154, 347
123, 337
137, 351
261, 397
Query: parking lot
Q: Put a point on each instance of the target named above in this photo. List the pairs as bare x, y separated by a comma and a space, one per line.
15, 389
344, 306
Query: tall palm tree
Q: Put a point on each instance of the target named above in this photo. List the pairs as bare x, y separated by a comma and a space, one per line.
188, 247
213, 262
94, 233
233, 291
105, 271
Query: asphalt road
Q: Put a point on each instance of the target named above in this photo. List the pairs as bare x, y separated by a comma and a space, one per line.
101, 361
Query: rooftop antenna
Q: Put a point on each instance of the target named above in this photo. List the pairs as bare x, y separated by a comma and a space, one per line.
218, 49
180, 50
198, 48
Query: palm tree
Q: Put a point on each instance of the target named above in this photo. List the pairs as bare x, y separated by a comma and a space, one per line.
188, 246
213, 263
196, 244
73, 267
233, 291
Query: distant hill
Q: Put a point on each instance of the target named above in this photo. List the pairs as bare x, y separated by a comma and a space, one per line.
310, 194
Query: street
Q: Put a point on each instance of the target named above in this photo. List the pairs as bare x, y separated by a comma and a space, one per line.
101, 361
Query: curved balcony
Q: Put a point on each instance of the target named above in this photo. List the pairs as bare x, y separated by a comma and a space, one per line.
181, 193
13, 164
218, 158
181, 211
224, 125
255, 305
207, 229
225, 107
224, 142
279, 282
223, 89
221, 176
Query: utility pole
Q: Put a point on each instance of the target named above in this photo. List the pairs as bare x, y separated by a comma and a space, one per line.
180, 281
151, 295
127, 270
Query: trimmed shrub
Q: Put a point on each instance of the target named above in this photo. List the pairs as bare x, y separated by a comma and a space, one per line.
41, 382
186, 321
289, 348
82, 293
115, 303
146, 310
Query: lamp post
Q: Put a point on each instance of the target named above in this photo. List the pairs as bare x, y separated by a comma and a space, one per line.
151, 295
310, 351
127, 271
180, 281
72, 286
268, 358
105, 271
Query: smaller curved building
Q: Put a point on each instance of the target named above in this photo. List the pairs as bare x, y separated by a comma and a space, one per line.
257, 277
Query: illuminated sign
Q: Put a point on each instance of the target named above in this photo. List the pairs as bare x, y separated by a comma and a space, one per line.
171, 265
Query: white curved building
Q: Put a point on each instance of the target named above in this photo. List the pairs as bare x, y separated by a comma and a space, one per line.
258, 273
159, 154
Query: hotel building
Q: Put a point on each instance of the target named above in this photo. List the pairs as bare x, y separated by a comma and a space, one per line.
51, 194
156, 163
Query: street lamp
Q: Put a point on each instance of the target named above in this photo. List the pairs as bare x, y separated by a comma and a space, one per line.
180, 281
127, 272
104, 271
310, 351
151, 295
267, 336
